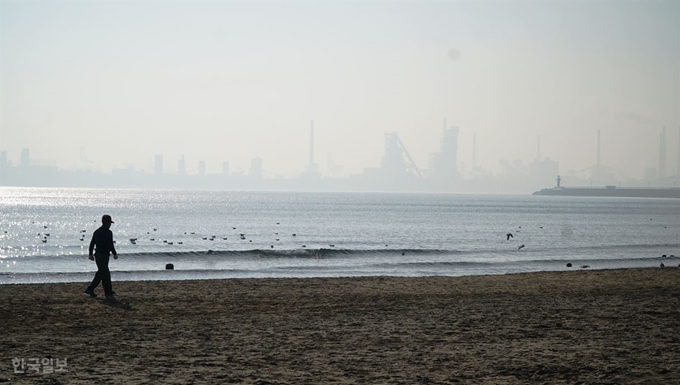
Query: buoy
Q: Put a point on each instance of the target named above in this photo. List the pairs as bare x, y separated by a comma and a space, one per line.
169, 266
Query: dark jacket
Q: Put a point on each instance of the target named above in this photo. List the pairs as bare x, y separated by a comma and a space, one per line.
103, 239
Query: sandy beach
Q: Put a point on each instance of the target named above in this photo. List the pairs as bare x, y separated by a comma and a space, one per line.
606, 326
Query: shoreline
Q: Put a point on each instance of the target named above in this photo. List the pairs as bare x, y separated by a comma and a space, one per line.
162, 275
604, 326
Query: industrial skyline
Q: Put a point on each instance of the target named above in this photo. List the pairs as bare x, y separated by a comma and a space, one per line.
102, 85
397, 171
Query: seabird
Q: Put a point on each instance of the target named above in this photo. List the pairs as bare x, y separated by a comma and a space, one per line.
520, 247
508, 235
661, 265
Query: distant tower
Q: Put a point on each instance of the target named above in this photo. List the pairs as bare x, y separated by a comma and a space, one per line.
25, 160
444, 164
255, 168
678, 169
182, 166
598, 149
311, 145
158, 165
312, 168
538, 149
559, 181
201, 168
474, 151
662, 154
393, 161
225, 168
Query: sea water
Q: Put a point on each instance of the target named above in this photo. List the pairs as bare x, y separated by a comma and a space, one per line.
45, 234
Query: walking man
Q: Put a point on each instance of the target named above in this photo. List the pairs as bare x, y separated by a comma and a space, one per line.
102, 238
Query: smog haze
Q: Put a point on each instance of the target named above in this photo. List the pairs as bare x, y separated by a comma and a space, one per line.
101, 85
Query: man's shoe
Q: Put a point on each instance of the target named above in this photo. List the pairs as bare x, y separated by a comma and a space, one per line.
111, 295
91, 293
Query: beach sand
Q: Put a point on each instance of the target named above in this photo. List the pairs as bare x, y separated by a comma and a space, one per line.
606, 326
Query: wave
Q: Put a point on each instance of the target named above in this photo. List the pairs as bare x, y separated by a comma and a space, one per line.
265, 253
563, 251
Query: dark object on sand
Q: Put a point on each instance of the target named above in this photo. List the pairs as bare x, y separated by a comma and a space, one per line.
569, 264
662, 265
585, 267
169, 266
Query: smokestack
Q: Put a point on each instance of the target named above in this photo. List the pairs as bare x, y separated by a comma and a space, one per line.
598, 147
474, 151
662, 153
311, 146
538, 149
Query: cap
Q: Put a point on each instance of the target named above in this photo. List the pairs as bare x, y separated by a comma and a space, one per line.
107, 219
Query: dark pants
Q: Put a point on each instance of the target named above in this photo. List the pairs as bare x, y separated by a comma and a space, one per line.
103, 274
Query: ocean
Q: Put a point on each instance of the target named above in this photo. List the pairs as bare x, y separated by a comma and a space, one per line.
45, 233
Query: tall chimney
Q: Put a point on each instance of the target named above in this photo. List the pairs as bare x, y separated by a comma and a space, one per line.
311, 146
474, 151
662, 153
598, 148
678, 170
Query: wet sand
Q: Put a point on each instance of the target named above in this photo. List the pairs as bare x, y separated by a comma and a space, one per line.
607, 327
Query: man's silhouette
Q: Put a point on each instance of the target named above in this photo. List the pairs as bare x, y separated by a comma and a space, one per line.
102, 238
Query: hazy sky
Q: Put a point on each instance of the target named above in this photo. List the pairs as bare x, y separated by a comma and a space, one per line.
219, 81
